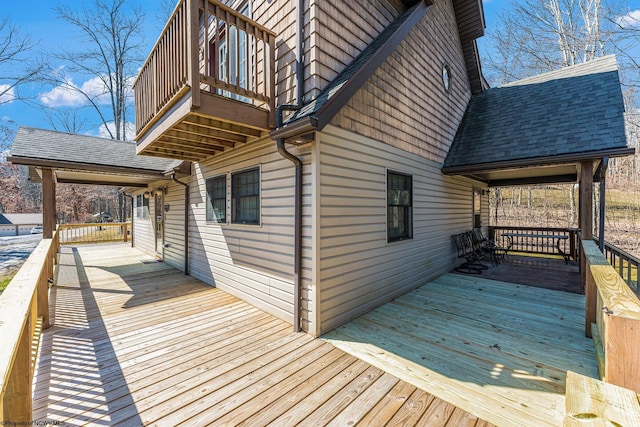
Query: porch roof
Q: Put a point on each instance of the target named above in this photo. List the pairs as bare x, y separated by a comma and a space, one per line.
86, 159
549, 121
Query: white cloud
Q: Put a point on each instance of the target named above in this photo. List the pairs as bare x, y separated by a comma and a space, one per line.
68, 94
104, 133
631, 19
7, 93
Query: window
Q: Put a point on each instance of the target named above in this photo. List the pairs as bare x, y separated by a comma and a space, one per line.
142, 206
217, 199
399, 204
245, 197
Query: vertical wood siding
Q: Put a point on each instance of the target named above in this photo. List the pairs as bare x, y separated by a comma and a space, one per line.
253, 262
330, 41
359, 270
341, 31
404, 103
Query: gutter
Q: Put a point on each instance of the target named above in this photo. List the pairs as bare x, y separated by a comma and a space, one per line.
186, 221
537, 161
297, 162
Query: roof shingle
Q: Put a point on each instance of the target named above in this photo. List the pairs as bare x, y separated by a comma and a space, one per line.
575, 110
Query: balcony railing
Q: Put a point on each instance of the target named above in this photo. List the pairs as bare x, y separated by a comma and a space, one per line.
94, 233
625, 264
24, 310
206, 46
536, 240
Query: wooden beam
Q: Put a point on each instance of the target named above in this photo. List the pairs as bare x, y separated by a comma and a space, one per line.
231, 138
585, 213
196, 138
173, 144
223, 126
48, 203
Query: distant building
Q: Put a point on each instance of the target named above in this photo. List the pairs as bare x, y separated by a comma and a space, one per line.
18, 224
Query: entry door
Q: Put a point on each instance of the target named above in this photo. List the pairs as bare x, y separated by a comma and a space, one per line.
477, 208
159, 223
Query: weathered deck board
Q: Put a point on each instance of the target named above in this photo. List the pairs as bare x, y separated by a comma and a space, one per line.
135, 342
496, 350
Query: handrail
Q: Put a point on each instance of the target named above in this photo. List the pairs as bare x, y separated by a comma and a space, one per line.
94, 232
24, 305
627, 265
612, 319
534, 245
231, 56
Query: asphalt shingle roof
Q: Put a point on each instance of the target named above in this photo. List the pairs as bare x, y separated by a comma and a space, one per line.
88, 150
574, 110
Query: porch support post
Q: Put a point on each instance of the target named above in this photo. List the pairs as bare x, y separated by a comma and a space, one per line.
48, 203
585, 213
602, 173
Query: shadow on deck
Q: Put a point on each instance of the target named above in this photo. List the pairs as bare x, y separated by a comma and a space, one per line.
136, 342
547, 272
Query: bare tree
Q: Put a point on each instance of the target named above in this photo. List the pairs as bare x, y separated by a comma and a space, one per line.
14, 54
113, 39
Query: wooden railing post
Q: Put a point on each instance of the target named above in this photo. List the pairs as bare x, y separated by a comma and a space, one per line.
125, 231
16, 402
617, 319
193, 29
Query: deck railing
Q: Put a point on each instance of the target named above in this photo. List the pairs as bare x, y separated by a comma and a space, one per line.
522, 240
231, 55
24, 310
94, 233
612, 319
624, 263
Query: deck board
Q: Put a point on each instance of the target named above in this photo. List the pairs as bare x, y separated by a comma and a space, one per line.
135, 342
496, 350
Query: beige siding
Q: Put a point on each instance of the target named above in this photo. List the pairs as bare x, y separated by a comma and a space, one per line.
174, 225
143, 229
253, 262
358, 268
404, 103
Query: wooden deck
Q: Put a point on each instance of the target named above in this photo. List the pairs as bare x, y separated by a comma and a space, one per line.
497, 350
136, 342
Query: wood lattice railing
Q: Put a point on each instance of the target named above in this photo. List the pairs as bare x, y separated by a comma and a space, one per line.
24, 310
232, 56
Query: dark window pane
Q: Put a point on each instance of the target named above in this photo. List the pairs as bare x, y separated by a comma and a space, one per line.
245, 197
217, 199
399, 207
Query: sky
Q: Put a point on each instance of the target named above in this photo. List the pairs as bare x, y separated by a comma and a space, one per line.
40, 22
38, 19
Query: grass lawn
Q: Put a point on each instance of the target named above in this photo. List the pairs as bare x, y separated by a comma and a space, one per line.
4, 281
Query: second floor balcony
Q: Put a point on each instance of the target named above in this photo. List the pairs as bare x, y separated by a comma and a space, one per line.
207, 85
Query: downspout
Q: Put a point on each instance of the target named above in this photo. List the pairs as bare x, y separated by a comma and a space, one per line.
603, 172
297, 162
186, 221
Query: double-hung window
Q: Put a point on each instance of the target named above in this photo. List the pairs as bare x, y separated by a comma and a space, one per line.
217, 199
245, 197
399, 207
